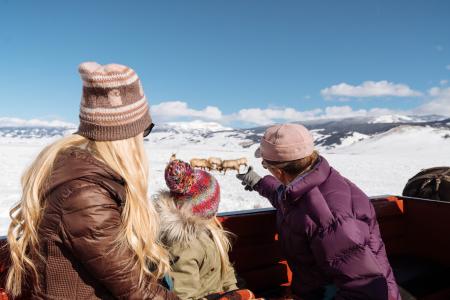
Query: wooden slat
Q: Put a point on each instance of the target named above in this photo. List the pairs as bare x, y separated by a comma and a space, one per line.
440, 295
4, 265
256, 253
4, 262
385, 208
428, 229
264, 279
253, 257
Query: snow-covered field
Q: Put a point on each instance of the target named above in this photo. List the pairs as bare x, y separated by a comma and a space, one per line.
378, 165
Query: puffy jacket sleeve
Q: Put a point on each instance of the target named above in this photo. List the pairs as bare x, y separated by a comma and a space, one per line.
341, 250
268, 188
186, 270
91, 223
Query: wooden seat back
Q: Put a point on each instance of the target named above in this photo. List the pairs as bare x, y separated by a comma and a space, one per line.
409, 227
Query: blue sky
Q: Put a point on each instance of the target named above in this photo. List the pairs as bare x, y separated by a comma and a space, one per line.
234, 62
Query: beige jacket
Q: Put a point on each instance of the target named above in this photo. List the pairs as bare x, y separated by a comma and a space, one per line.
196, 264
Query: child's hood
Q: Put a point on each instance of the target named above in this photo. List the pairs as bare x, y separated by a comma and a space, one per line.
177, 225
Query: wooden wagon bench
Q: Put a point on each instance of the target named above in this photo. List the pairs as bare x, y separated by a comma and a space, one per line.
416, 233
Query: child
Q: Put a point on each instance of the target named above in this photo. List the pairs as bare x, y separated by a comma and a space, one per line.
327, 225
197, 243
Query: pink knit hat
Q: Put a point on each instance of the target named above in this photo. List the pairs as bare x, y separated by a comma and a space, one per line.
198, 187
113, 104
285, 142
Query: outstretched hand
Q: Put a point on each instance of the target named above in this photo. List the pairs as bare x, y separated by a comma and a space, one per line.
249, 179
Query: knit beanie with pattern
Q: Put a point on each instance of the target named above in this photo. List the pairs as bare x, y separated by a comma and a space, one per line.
113, 104
198, 187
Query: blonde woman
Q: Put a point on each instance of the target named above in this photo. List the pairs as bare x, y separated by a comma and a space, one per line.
84, 228
196, 240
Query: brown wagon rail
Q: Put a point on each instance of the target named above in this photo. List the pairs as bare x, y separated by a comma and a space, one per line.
415, 231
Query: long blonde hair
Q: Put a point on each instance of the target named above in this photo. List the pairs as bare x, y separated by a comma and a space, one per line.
221, 238
139, 218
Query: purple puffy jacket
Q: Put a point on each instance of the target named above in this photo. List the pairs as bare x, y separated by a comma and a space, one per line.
329, 234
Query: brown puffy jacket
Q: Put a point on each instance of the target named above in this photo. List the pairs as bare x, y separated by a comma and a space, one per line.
81, 221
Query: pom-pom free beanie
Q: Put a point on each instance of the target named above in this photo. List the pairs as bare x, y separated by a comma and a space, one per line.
113, 104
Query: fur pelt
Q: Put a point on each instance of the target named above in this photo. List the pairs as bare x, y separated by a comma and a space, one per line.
178, 225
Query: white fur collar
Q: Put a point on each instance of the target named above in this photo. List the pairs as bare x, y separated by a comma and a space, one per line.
177, 226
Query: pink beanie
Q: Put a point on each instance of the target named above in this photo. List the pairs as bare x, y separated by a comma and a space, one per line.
285, 142
113, 104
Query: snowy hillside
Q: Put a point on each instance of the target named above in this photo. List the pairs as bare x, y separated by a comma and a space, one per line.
405, 119
378, 157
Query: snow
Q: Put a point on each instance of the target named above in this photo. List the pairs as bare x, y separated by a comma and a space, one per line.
392, 119
379, 165
396, 118
353, 138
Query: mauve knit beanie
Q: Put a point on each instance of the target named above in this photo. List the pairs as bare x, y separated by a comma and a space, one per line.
113, 104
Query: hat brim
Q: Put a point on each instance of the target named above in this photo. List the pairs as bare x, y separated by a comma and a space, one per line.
258, 152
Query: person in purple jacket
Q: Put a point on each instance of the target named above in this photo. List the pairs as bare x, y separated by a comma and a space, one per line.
327, 226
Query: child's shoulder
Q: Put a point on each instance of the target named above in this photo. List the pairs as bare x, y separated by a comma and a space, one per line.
194, 248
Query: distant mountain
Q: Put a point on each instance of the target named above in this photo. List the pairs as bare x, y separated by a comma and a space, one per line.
334, 133
405, 119
34, 132
328, 134
191, 127
26, 129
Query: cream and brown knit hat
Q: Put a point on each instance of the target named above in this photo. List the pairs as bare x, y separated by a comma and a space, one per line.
113, 104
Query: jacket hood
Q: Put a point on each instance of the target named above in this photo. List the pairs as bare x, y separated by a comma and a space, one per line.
77, 163
178, 225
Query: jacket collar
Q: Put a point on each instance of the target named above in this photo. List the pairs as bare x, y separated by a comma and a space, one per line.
178, 225
304, 183
77, 163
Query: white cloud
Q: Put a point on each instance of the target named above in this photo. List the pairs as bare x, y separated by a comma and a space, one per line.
438, 102
447, 67
271, 115
177, 109
443, 82
369, 89
338, 112
16, 122
343, 112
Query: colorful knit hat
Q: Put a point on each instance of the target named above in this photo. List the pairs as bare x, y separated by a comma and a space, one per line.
113, 104
198, 187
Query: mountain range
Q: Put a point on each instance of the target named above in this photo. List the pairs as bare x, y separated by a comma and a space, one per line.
328, 134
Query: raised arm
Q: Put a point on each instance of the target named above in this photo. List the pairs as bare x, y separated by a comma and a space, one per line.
268, 187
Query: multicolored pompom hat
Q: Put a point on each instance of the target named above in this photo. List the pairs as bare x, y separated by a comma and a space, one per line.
198, 187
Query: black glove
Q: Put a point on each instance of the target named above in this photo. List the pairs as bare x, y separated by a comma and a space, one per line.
249, 179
